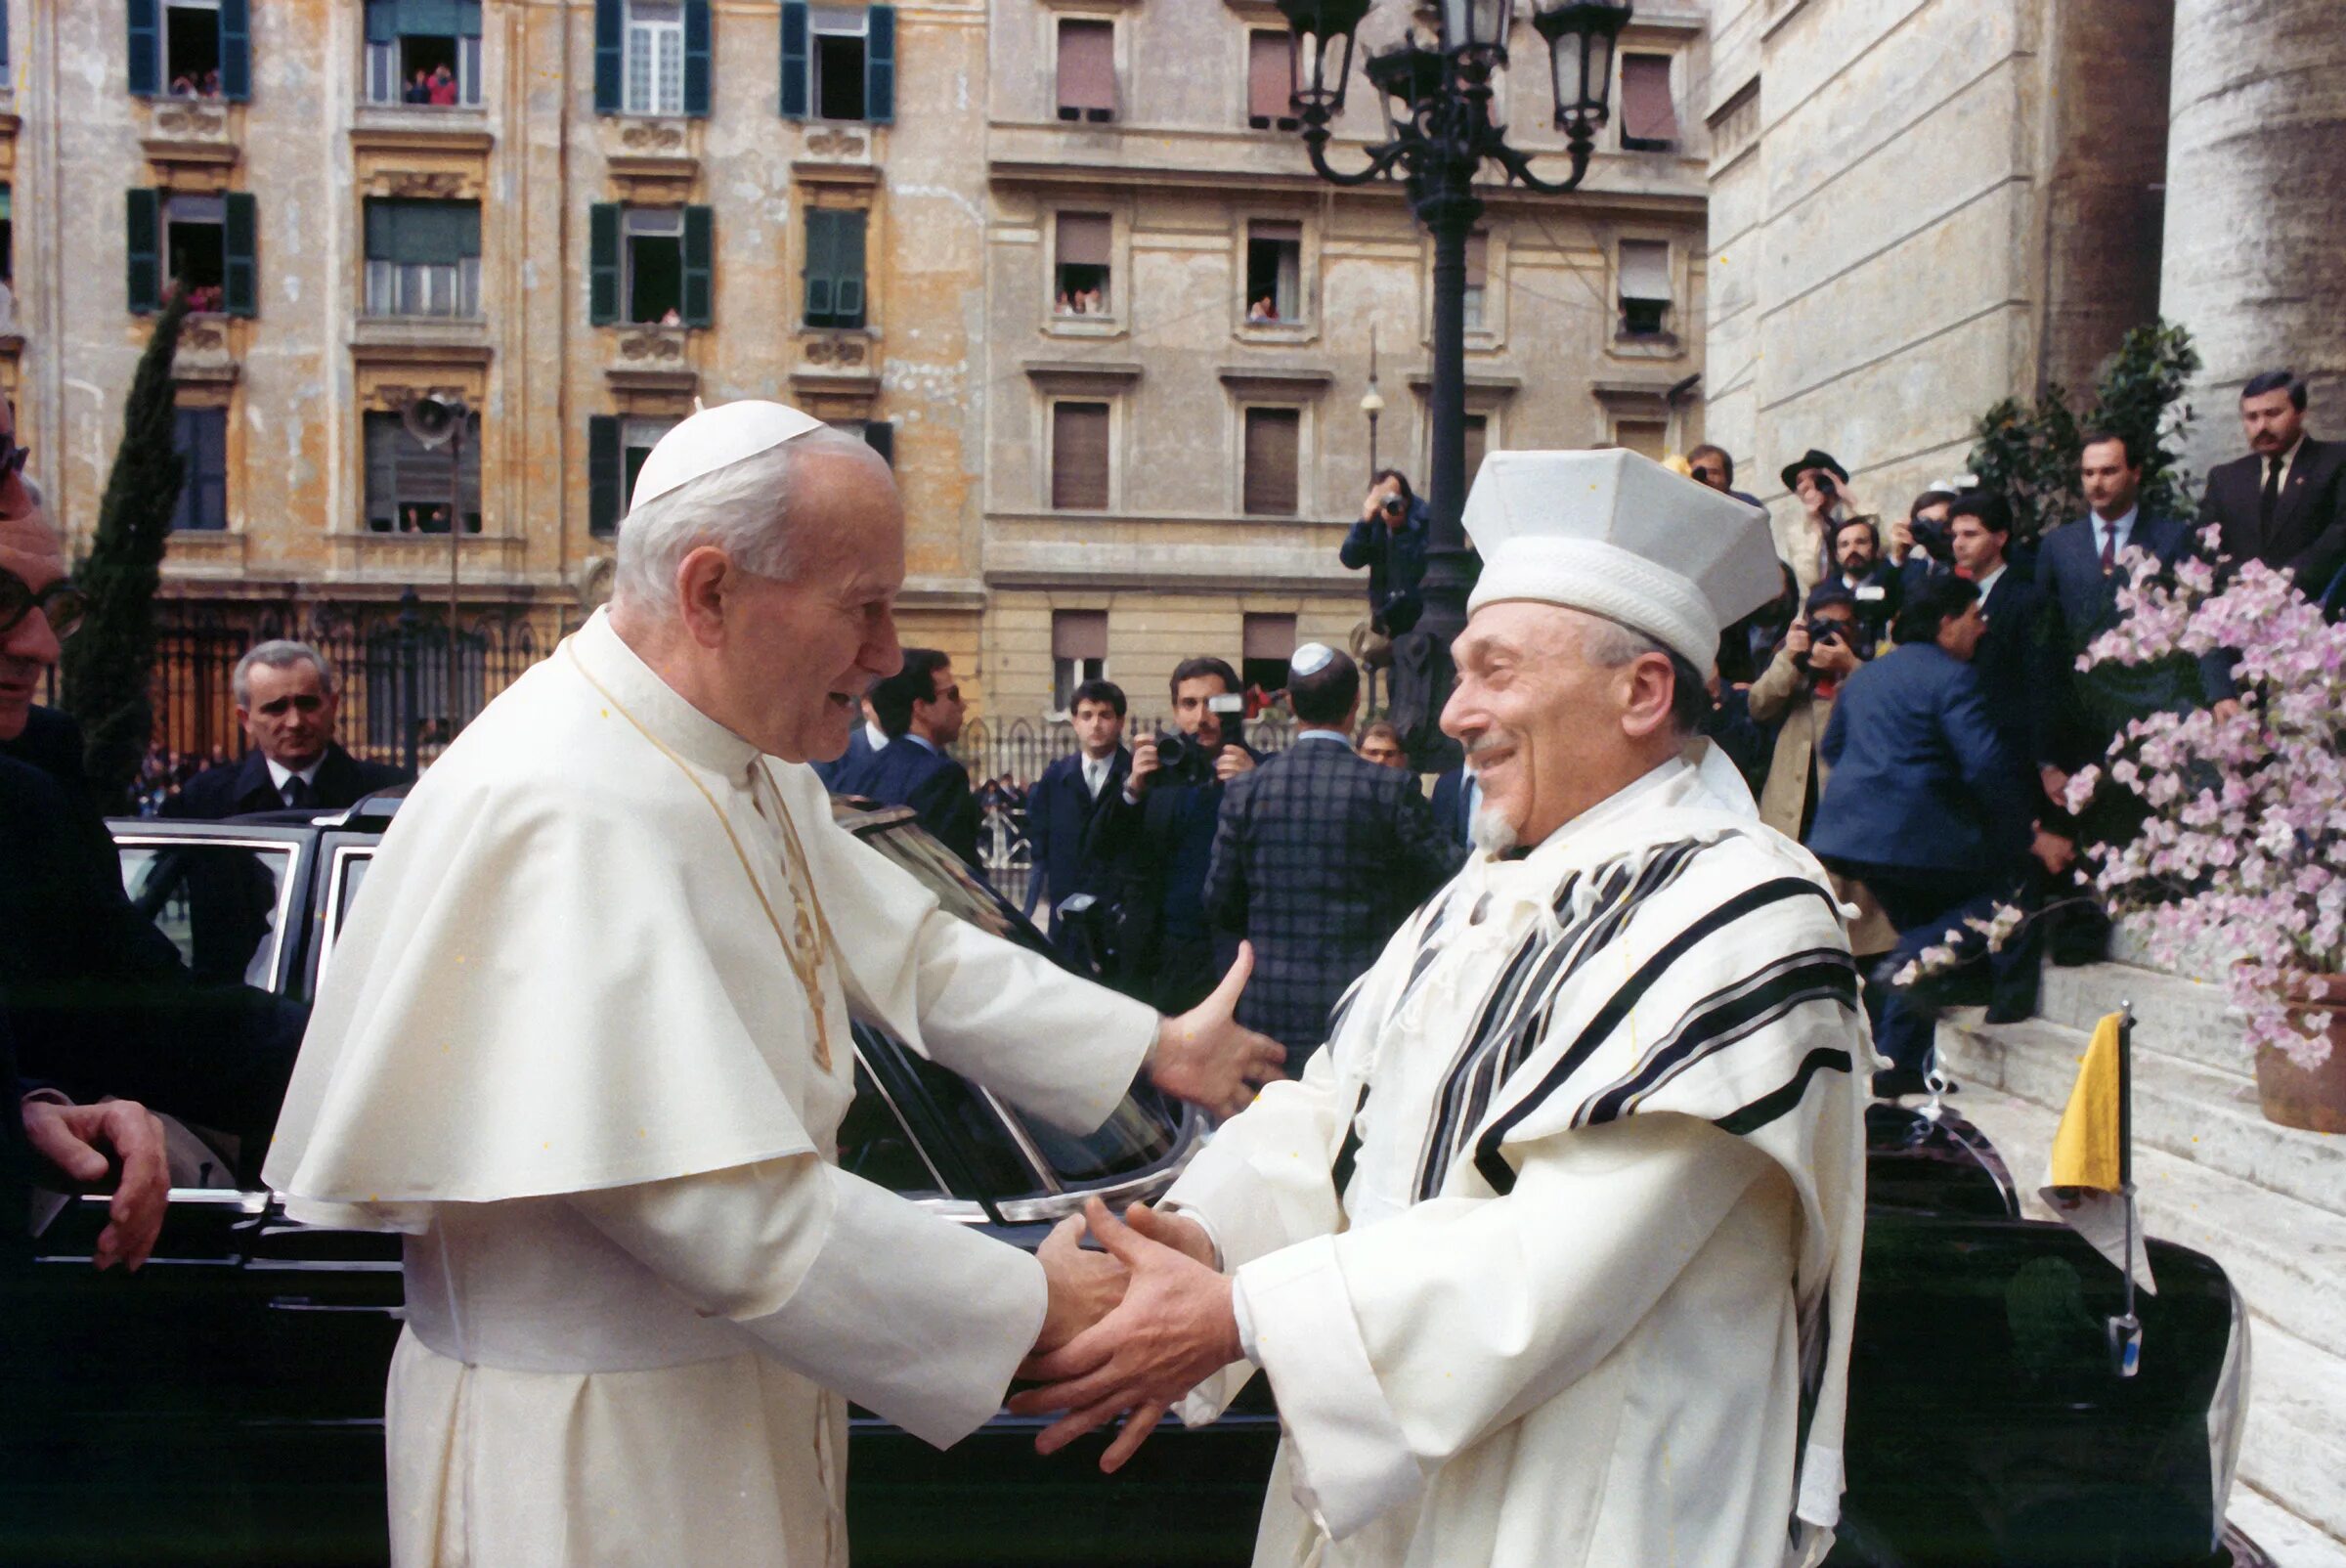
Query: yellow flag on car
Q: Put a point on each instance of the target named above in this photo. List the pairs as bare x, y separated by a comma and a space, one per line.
2085, 1181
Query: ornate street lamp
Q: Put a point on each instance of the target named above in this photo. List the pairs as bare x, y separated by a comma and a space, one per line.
1437, 102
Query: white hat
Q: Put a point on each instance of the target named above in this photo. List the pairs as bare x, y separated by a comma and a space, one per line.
717, 438
1309, 660
1618, 535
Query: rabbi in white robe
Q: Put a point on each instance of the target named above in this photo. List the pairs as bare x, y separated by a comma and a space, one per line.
1550, 1255
586, 1040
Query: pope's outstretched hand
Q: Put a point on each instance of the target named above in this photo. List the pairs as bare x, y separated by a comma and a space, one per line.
1208, 1057
1084, 1286
1173, 1330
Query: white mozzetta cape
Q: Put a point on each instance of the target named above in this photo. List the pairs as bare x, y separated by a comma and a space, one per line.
1550, 1253
561, 1045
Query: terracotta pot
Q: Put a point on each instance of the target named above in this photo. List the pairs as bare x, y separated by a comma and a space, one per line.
2297, 1097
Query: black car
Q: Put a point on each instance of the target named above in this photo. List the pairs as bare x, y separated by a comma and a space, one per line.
225, 1406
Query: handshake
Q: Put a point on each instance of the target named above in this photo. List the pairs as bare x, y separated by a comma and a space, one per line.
1129, 1331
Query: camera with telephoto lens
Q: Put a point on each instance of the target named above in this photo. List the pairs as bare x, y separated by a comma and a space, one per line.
1394, 507
1936, 539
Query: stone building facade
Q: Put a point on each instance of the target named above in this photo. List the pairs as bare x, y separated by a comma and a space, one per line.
580, 216
1919, 207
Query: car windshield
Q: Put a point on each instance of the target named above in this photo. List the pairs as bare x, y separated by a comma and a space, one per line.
218, 902
1143, 1130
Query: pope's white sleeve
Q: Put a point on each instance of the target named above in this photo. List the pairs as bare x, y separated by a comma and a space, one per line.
980, 1004
916, 1318
1395, 1347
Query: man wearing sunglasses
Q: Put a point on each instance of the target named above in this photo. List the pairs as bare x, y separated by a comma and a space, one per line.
920, 708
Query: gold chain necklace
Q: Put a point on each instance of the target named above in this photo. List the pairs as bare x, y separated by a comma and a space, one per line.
804, 955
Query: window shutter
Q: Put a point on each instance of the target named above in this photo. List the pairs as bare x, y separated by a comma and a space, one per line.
468, 19
145, 237
604, 502
1269, 74
609, 40
1083, 238
1478, 259
240, 281
1087, 68
603, 263
1269, 481
1267, 637
145, 47
700, 266
1079, 456
795, 53
821, 292
382, 22
880, 66
846, 266
235, 50
696, 56
881, 436
1079, 633
1645, 269
1648, 119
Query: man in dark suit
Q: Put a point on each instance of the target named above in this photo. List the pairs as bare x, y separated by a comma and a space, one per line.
2285, 503
1927, 803
1319, 856
868, 737
1455, 801
1157, 834
2010, 659
1062, 802
287, 697
920, 706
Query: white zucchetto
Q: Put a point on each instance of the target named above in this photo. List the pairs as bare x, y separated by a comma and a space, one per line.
1618, 535
717, 438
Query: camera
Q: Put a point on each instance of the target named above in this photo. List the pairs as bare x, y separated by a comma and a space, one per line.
1394, 507
1823, 480
1824, 629
1183, 760
1934, 538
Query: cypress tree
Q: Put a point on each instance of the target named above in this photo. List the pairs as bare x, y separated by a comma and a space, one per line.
109, 664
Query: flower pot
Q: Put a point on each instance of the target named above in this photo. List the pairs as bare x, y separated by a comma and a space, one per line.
2313, 1098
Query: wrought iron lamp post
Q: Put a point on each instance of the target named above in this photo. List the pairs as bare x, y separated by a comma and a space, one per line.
1437, 100
435, 420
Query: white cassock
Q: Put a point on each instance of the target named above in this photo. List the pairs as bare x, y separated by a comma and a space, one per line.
586, 1042
1550, 1253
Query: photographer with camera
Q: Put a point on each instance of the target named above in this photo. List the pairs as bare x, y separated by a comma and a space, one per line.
1873, 584
1821, 485
1389, 539
1156, 837
1919, 547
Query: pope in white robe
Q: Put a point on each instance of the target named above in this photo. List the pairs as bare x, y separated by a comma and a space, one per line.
586, 1041
1550, 1256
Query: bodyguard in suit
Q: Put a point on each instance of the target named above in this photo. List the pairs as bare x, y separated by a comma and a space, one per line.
1319, 856
287, 696
1927, 804
1156, 837
920, 706
1456, 797
2011, 656
868, 738
2285, 503
1062, 802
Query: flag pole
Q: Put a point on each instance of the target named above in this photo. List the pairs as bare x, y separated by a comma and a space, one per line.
2126, 1330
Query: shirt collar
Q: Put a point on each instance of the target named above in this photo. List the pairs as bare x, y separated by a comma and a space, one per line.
1989, 580
2289, 458
278, 772
1336, 735
875, 736
923, 743
656, 705
2120, 526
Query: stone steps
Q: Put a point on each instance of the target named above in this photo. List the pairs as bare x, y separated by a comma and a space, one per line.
2188, 1108
2285, 1256
2173, 1015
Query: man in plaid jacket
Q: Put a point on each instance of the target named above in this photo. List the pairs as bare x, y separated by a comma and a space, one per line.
1320, 854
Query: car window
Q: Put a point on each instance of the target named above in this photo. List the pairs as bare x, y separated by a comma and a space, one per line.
875, 1144
1143, 1130
221, 904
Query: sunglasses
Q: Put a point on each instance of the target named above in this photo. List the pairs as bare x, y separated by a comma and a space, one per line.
62, 604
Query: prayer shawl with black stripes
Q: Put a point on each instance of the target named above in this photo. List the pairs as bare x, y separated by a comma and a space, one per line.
1550, 1253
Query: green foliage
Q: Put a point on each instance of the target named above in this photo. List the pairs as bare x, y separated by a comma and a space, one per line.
2029, 456
109, 662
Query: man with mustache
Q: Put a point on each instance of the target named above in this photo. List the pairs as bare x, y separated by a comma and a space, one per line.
1550, 1253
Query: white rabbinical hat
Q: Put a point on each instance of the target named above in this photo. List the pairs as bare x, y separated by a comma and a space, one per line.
1618, 535
717, 438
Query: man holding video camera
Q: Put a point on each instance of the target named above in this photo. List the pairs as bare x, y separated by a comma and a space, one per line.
1156, 835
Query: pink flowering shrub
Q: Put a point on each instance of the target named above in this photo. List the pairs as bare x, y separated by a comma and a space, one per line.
2248, 832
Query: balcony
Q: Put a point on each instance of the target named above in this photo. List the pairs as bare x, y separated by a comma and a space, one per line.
192, 143
650, 362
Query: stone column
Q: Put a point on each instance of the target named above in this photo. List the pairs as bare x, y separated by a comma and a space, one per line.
2256, 178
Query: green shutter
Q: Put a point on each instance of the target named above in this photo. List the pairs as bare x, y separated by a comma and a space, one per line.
603, 500
235, 50
603, 263
610, 41
146, 241
145, 47
818, 266
382, 22
880, 65
240, 288
696, 56
431, 233
848, 267
468, 19
700, 266
795, 53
